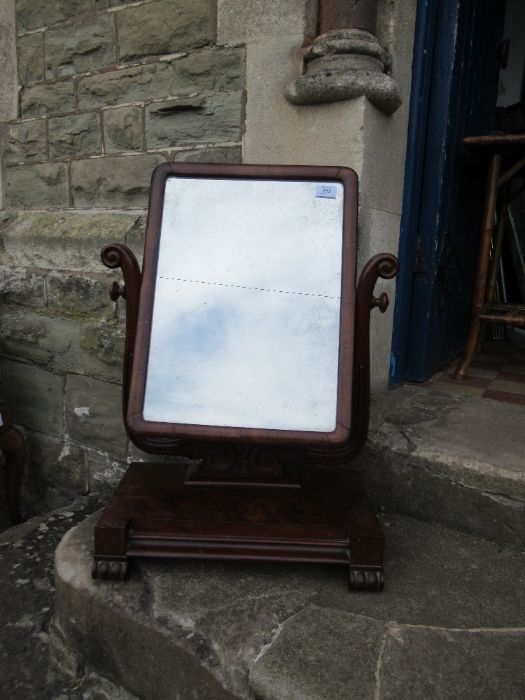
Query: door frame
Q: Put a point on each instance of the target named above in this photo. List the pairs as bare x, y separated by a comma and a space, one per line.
422, 64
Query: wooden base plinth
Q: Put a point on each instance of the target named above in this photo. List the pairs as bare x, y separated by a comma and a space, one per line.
155, 513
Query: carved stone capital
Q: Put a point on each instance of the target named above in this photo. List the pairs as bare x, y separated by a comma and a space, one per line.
343, 64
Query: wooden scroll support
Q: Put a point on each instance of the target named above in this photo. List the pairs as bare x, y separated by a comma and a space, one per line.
242, 504
13, 447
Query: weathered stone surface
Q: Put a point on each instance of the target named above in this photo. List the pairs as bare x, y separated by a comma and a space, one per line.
43, 340
104, 343
69, 240
26, 604
78, 294
93, 414
219, 154
30, 58
296, 664
75, 135
123, 129
104, 472
213, 69
297, 628
8, 61
163, 27
34, 396
63, 344
196, 119
43, 184
22, 287
25, 141
428, 663
57, 462
436, 455
113, 182
80, 47
52, 98
31, 15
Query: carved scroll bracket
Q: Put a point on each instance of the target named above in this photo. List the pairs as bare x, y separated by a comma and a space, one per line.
344, 64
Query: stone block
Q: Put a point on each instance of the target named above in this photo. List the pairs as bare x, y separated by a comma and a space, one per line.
80, 47
123, 129
44, 184
103, 343
164, 27
434, 663
57, 462
32, 15
213, 69
113, 182
346, 644
46, 99
30, 58
78, 294
204, 119
93, 414
25, 141
77, 134
34, 395
22, 287
218, 154
40, 339
104, 472
69, 240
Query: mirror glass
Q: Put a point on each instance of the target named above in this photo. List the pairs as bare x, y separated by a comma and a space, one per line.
246, 316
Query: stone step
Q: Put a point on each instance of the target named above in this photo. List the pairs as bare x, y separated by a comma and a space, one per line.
449, 458
450, 623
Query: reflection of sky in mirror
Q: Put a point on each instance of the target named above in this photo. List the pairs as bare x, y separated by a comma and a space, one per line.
245, 327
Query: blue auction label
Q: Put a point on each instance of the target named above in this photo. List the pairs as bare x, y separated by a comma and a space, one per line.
326, 191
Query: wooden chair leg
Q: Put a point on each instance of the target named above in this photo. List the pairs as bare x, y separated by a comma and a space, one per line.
483, 267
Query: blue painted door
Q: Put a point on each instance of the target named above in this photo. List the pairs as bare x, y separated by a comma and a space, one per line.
455, 79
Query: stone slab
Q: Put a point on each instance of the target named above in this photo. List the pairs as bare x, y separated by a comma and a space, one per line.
48, 98
283, 631
93, 414
85, 45
25, 141
37, 185
195, 119
472, 664
448, 457
164, 27
34, 396
26, 604
113, 182
123, 128
30, 58
31, 15
309, 644
74, 135
220, 69
63, 240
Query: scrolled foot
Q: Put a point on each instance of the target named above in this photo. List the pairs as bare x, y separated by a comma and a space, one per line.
362, 579
110, 569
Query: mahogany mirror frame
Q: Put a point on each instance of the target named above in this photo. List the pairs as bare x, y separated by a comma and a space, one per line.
140, 429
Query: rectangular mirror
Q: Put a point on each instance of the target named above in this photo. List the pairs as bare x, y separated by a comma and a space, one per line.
245, 317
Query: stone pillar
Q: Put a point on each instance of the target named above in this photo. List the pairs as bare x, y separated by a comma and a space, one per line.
346, 59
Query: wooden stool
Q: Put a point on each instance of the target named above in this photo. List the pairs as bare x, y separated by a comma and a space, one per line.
13, 446
507, 159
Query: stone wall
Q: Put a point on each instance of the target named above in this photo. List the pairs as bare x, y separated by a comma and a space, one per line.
107, 89
108, 92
